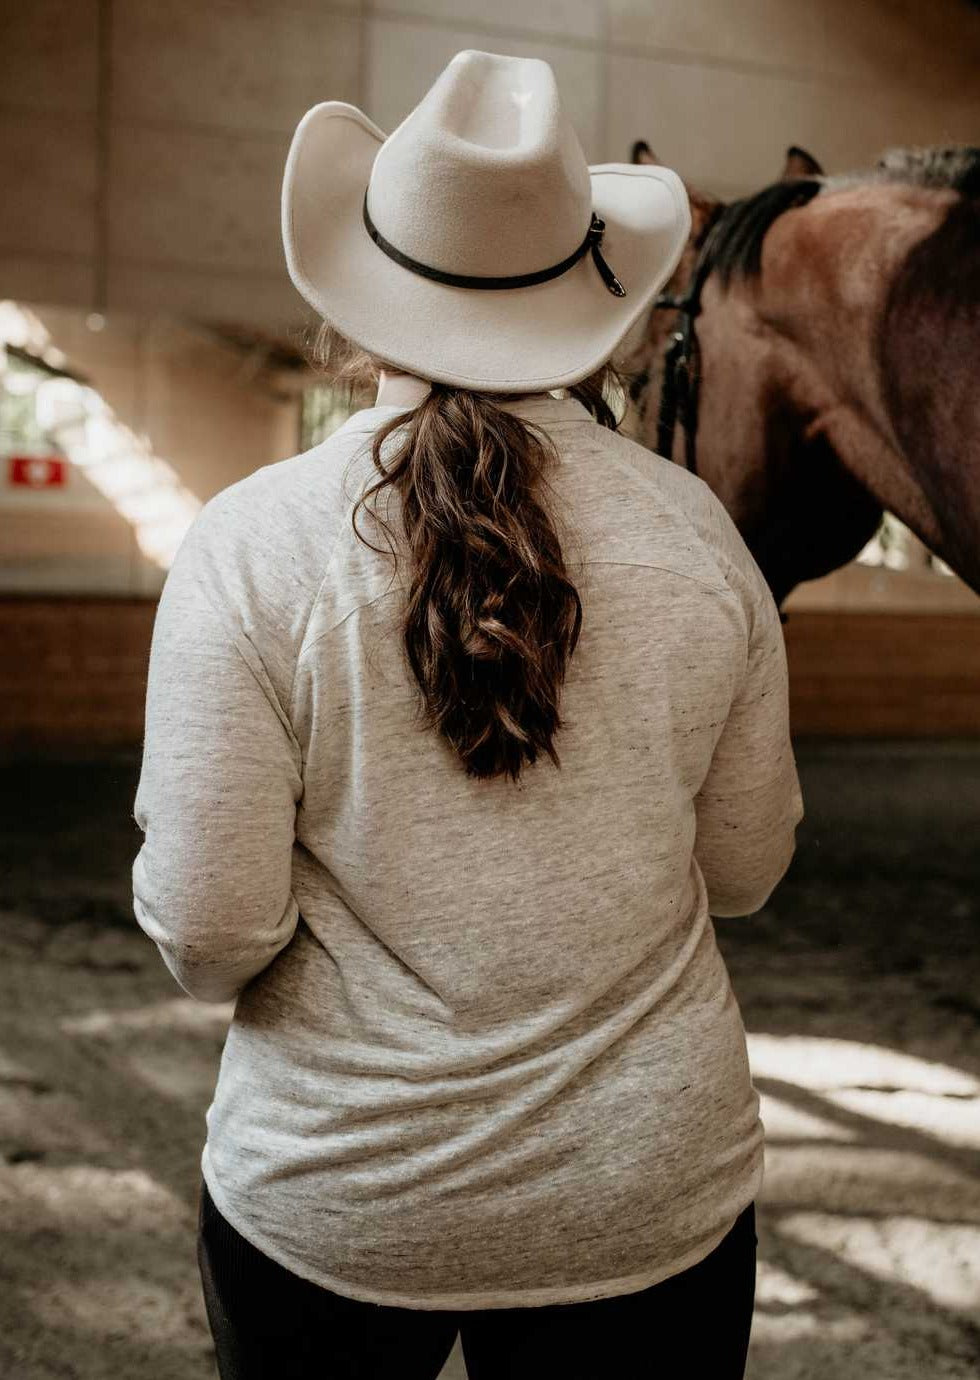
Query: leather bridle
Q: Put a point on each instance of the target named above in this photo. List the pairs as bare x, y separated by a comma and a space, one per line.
682, 362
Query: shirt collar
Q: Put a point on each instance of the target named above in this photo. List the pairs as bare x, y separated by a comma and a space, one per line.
402, 392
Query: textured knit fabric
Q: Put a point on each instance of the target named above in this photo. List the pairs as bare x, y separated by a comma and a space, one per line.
484, 1050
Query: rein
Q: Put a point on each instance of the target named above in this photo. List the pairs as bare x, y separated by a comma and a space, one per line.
679, 391
682, 362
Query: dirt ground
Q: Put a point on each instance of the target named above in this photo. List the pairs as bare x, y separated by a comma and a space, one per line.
859, 984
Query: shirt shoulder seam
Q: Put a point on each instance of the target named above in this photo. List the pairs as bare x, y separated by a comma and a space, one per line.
718, 559
328, 566
723, 591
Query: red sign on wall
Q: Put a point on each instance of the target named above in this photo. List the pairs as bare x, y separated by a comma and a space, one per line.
37, 471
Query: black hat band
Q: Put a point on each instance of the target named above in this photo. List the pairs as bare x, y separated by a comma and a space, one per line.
593, 238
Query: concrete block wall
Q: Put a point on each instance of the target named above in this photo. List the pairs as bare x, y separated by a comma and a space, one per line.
142, 143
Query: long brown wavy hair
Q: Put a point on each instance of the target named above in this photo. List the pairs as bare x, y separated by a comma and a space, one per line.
492, 617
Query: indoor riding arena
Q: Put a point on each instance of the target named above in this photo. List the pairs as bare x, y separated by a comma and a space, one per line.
812, 359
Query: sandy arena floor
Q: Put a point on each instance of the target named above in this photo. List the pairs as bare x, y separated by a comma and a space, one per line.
859, 984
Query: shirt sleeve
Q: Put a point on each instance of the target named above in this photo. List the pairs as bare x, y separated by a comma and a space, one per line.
750, 801
216, 800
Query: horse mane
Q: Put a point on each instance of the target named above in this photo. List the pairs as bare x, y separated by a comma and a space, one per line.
732, 242
955, 167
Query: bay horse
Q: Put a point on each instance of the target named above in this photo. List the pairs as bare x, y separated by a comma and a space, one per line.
824, 337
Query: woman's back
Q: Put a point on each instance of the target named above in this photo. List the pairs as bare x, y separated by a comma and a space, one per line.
499, 1062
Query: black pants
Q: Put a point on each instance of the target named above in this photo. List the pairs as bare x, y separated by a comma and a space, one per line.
270, 1324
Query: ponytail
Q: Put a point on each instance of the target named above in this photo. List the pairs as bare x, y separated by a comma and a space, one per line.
492, 617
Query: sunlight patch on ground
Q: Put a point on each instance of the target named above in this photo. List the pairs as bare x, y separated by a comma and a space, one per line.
783, 1121
953, 1119
776, 1329
858, 1179
941, 1260
191, 1078
776, 1286
124, 1307
825, 1064
180, 1013
88, 1198
34, 1116
11, 1071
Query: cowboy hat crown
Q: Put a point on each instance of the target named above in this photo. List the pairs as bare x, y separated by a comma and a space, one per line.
457, 247
486, 176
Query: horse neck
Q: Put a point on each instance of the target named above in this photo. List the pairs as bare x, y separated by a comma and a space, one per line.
850, 302
929, 338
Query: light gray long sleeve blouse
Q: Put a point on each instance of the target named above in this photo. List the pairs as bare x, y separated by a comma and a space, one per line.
485, 1051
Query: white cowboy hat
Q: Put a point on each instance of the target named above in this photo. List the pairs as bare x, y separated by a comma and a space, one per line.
409, 245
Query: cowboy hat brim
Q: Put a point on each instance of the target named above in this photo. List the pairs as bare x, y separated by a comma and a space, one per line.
510, 340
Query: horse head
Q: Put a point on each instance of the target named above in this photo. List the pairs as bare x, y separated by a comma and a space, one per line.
643, 365
822, 305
